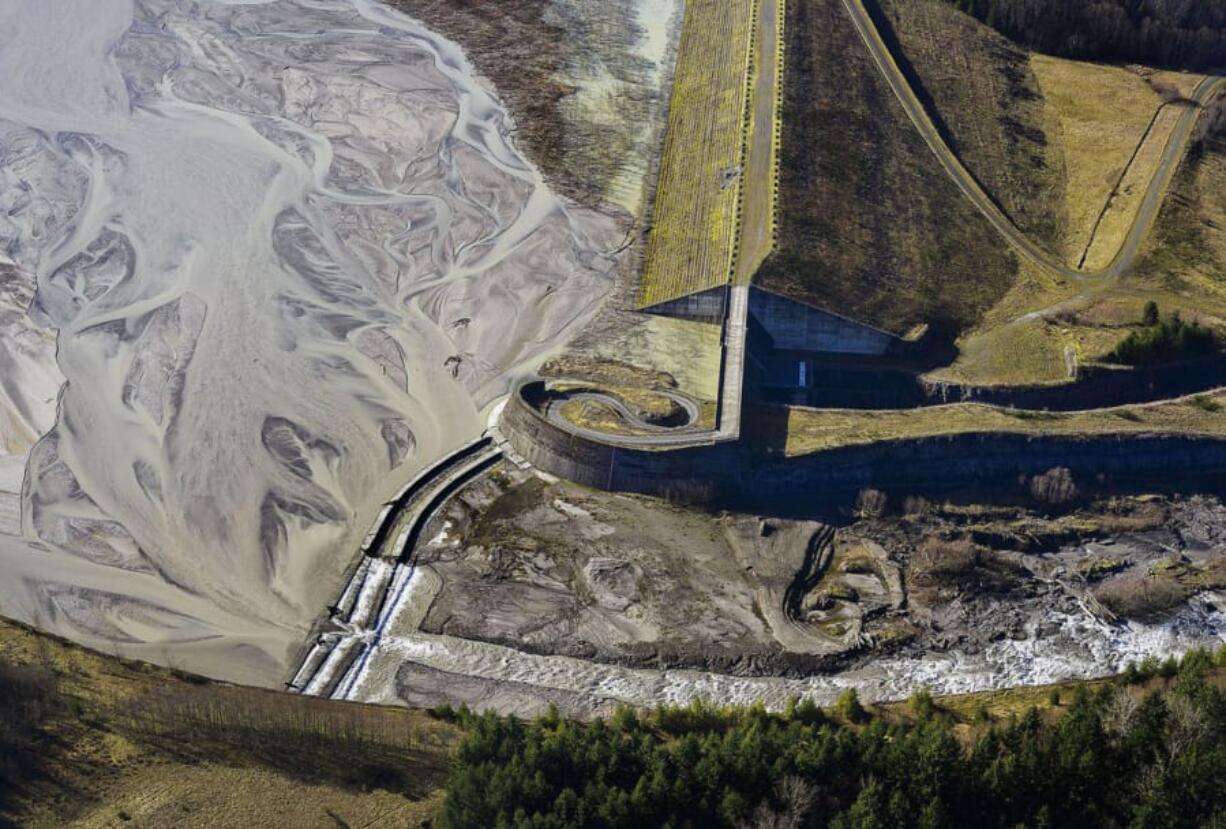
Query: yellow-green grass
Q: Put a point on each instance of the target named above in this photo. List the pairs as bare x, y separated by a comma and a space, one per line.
694, 224
1026, 337
983, 90
1121, 209
815, 430
1036, 349
96, 769
209, 795
1029, 352
1015, 344
760, 188
601, 417
645, 401
1100, 115
1186, 253
597, 416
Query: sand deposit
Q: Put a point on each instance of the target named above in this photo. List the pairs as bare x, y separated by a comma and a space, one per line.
259, 262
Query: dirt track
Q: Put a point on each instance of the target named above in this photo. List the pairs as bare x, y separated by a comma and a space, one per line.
1172, 156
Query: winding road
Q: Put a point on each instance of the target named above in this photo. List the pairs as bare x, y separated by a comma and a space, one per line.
558, 400
736, 310
728, 404
1172, 155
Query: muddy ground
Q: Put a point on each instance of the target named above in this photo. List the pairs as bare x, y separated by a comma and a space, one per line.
553, 568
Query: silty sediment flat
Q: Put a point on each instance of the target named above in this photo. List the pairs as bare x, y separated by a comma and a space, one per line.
273, 258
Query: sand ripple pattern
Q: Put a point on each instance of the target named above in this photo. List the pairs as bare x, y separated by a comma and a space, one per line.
259, 262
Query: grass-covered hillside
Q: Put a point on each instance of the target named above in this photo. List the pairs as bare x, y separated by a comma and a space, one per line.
1042, 324
1186, 256
870, 225
91, 741
984, 93
1067, 149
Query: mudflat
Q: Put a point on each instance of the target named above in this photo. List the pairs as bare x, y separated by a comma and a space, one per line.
261, 262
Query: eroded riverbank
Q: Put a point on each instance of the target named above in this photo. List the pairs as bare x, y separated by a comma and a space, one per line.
528, 591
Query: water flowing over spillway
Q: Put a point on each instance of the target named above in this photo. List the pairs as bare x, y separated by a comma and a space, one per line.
259, 261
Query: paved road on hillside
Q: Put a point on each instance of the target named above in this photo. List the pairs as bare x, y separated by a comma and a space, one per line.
1172, 156
758, 180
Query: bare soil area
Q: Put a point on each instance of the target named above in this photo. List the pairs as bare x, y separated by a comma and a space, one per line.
551, 568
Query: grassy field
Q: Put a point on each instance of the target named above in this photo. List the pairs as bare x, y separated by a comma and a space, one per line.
1102, 116
694, 224
118, 743
814, 430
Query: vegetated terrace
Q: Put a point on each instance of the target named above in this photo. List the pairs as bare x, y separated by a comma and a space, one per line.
814, 430
694, 224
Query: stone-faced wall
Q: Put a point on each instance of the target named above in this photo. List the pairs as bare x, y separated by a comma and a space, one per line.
704, 306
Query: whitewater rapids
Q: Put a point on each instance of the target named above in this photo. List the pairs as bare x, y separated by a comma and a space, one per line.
259, 262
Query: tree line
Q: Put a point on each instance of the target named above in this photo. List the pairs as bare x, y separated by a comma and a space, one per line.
1186, 34
1146, 750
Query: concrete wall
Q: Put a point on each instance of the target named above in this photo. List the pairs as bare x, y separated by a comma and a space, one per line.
741, 475
704, 306
990, 460
794, 326
698, 470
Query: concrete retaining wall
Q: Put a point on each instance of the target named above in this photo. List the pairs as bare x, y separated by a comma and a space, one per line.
735, 471
704, 306
1096, 388
794, 326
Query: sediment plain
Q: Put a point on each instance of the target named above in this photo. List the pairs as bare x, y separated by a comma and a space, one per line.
259, 262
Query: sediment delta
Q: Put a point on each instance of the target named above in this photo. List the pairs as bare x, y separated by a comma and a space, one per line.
261, 262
